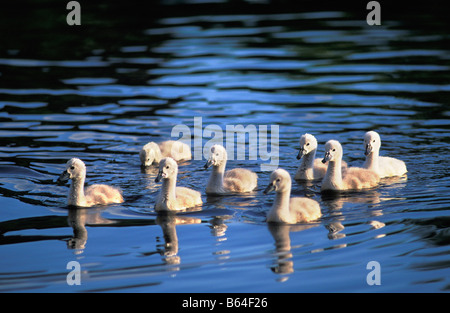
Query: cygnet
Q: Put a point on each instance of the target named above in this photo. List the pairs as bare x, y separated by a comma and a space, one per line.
354, 178
153, 152
92, 195
238, 180
171, 197
311, 168
383, 166
286, 209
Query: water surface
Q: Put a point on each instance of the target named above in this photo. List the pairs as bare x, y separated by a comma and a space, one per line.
323, 72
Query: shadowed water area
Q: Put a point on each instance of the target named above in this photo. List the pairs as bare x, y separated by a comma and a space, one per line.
130, 73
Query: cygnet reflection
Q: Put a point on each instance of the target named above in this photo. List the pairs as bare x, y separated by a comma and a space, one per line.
168, 223
281, 234
334, 202
78, 218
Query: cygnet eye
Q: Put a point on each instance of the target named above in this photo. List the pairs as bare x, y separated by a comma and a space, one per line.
334, 150
72, 167
167, 166
278, 179
373, 140
307, 144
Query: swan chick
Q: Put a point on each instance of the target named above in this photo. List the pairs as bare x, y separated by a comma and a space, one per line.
286, 209
383, 166
310, 168
92, 195
171, 197
354, 178
153, 152
238, 180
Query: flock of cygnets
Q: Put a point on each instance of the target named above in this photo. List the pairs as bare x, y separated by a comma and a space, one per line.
334, 172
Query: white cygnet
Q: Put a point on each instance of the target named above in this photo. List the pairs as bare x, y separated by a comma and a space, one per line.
92, 195
383, 166
238, 180
171, 197
354, 178
153, 152
311, 168
286, 209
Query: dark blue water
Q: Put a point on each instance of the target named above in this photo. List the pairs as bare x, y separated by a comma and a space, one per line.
102, 91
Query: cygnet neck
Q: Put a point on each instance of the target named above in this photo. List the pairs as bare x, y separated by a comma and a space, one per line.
76, 194
372, 160
281, 204
334, 173
282, 200
215, 183
168, 188
307, 163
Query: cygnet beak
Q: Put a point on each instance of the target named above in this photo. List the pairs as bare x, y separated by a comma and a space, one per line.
368, 149
208, 163
159, 177
148, 162
65, 176
327, 157
301, 153
269, 188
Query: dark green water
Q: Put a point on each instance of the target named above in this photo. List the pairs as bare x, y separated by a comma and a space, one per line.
129, 74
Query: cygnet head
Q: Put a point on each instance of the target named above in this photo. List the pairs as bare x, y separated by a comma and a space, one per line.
372, 142
333, 151
75, 169
280, 181
167, 168
308, 143
147, 153
217, 157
